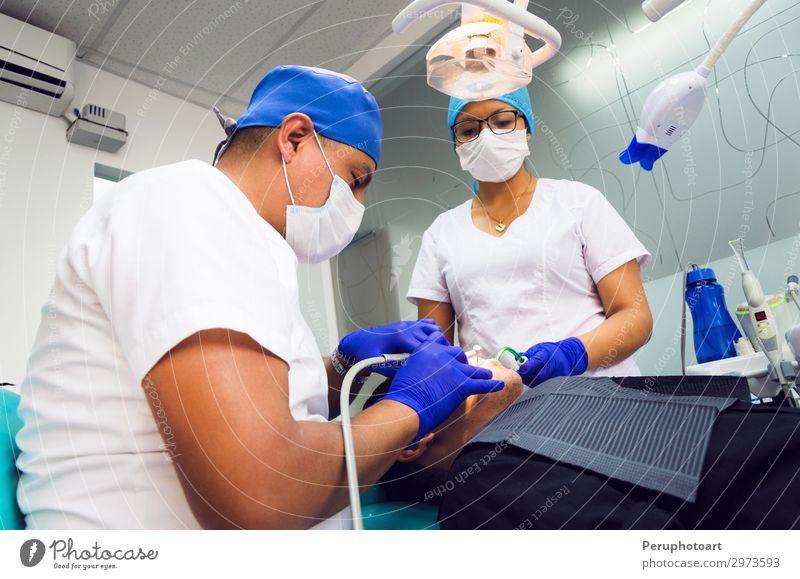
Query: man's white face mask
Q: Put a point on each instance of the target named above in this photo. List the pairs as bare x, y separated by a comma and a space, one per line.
318, 233
494, 158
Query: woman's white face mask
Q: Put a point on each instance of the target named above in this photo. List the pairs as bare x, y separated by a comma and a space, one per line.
494, 158
318, 233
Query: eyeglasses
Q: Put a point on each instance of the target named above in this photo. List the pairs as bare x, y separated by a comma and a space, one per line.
499, 123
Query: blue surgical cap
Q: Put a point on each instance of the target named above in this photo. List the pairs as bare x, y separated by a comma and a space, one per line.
339, 106
519, 99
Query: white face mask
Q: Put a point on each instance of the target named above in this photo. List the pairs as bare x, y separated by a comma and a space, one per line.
318, 233
494, 158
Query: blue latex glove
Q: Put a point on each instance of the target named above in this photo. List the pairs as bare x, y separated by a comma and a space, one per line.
435, 380
552, 359
396, 338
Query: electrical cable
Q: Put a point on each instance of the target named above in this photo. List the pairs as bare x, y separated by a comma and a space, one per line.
747, 65
676, 68
769, 123
774, 202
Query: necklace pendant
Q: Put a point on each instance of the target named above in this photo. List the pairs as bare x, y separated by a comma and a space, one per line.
500, 228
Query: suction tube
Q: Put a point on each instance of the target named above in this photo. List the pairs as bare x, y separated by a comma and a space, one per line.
347, 431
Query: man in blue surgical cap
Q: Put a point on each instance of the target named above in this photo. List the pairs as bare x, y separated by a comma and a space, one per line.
174, 382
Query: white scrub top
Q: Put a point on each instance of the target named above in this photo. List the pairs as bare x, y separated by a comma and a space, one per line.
166, 253
536, 283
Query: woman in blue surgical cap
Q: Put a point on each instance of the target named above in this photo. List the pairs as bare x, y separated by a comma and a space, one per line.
545, 266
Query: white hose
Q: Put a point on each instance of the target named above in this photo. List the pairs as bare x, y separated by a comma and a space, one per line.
347, 432
723, 43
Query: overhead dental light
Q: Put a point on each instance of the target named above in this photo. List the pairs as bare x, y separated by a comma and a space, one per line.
674, 105
487, 55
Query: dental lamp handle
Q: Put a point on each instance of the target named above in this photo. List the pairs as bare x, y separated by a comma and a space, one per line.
722, 44
347, 430
530, 23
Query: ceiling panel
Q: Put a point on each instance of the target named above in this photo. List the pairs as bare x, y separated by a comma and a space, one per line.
196, 50
212, 52
79, 20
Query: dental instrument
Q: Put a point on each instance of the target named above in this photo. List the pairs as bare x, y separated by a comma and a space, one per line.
487, 55
475, 355
763, 321
510, 358
674, 105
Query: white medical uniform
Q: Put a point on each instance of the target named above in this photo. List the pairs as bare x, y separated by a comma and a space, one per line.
165, 254
537, 282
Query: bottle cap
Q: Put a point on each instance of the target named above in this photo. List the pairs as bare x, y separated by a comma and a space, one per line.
700, 274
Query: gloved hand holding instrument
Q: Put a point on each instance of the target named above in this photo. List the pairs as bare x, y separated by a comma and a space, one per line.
395, 338
433, 382
552, 359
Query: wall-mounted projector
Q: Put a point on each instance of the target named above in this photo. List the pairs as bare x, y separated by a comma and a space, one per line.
98, 128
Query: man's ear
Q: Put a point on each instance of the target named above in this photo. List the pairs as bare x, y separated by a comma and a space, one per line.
416, 452
295, 129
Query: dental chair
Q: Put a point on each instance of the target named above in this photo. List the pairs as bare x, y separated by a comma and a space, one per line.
10, 516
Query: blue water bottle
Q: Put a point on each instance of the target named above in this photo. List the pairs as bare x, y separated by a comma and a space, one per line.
715, 333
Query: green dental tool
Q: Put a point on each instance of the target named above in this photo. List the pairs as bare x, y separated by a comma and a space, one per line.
510, 358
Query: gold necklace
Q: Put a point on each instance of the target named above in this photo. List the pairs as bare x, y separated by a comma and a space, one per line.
501, 225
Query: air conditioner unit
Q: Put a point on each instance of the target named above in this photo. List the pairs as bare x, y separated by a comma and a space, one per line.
35, 67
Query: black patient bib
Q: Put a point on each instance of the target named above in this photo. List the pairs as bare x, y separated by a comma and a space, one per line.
648, 431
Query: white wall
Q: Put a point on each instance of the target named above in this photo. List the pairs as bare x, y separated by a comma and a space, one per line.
47, 184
